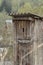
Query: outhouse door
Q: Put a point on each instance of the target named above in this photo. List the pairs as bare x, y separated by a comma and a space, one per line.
23, 29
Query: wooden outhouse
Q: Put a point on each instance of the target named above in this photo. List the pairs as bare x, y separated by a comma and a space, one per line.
28, 39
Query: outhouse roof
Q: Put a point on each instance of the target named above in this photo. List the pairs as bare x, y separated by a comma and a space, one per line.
26, 15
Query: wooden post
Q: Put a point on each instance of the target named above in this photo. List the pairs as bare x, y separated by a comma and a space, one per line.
35, 43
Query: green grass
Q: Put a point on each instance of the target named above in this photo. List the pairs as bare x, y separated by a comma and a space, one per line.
0, 2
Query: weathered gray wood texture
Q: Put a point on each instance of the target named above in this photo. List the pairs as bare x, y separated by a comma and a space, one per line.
30, 53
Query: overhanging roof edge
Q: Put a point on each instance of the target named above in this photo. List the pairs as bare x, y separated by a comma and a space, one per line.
26, 15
